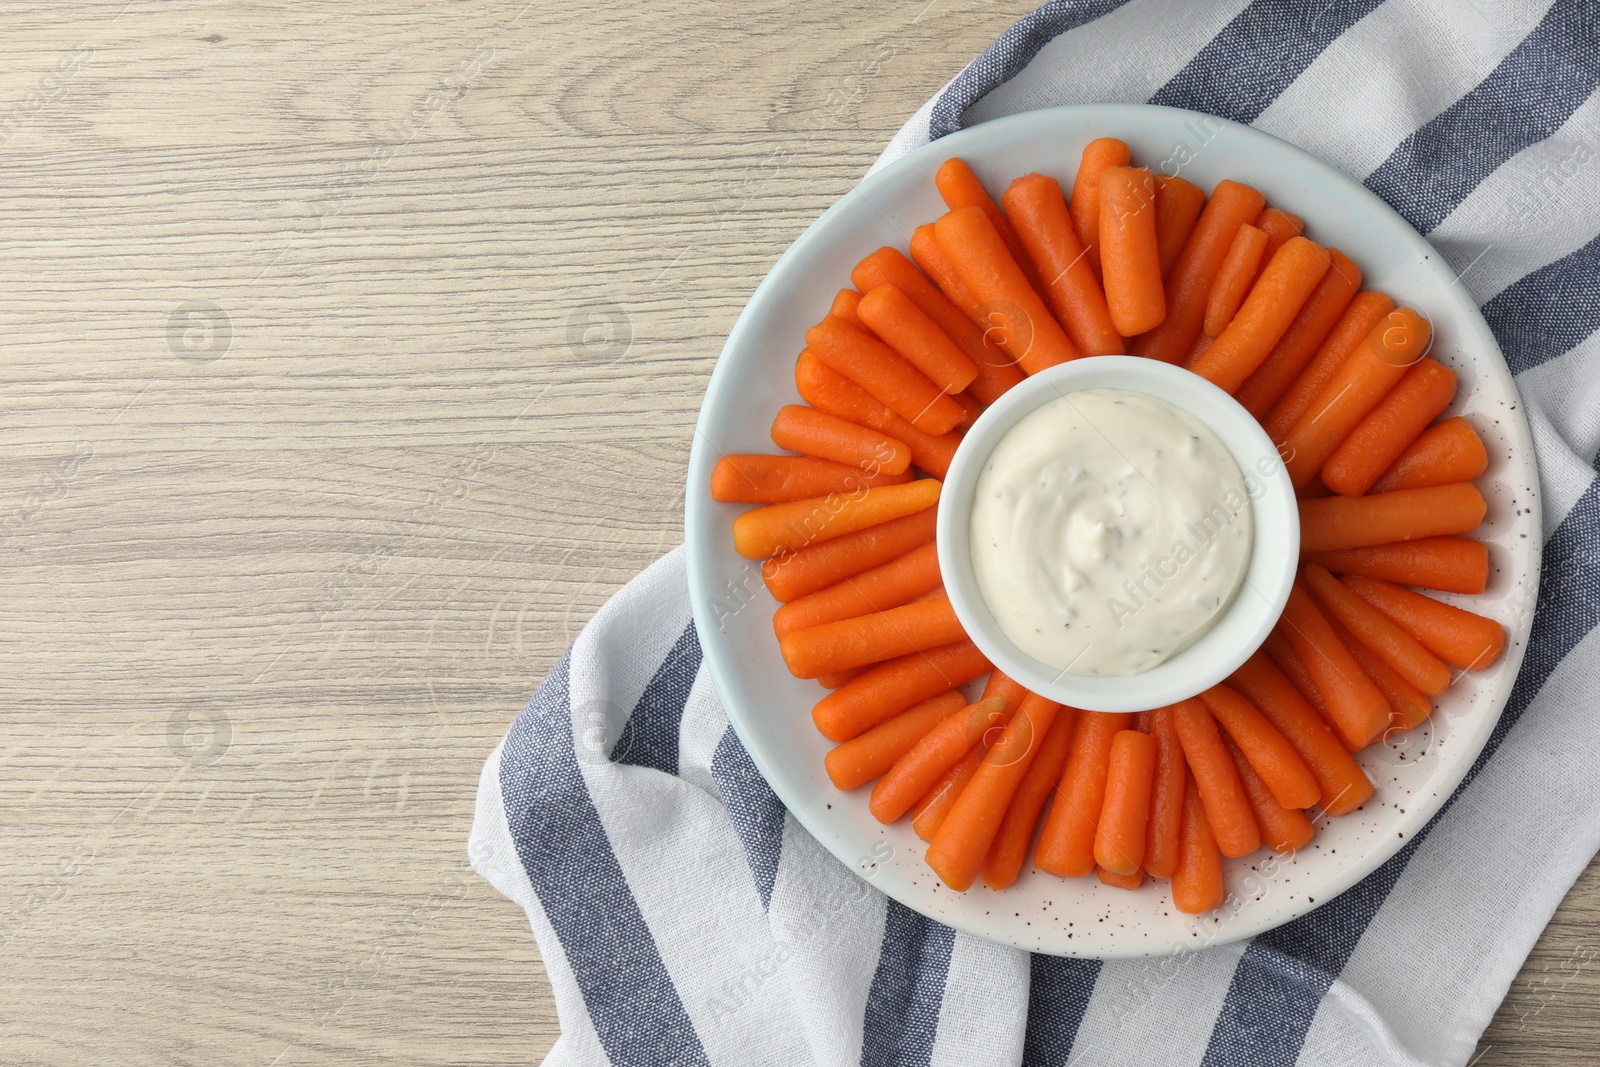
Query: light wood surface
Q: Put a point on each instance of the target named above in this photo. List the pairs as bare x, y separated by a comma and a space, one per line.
351, 355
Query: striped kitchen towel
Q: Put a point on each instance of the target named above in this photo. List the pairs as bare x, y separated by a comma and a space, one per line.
685, 918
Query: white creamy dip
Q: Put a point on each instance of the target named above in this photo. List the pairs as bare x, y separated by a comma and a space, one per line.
1109, 530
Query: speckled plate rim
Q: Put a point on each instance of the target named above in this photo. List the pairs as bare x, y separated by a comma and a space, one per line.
771, 716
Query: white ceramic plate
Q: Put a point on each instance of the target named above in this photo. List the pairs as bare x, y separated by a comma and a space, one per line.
771, 710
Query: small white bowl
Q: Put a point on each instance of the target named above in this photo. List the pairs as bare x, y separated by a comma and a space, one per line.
1232, 636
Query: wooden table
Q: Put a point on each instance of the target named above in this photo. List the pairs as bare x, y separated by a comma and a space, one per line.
351, 358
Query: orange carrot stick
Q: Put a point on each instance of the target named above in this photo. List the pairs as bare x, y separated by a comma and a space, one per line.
1238, 271
781, 528
875, 367
1197, 880
1070, 286
1028, 332
1015, 833
1299, 342
1178, 204
878, 589
1283, 829
810, 569
1098, 155
1125, 813
1461, 638
839, 678
959, 188
1271, 753
1377, 441
1449, 564
970, 405
1166, 797
999, 684
1339, 522
1201, 343
1342, 785
1448, 452
1280, 227
1119, 881
815, 433
844, 305
890, 688
929, 813
863, 758
1274, 300
895, 317
1066, 843
1360, 383
965, 836
1130, 258
889, 266
759, 479
1365, 311
1408, 705
1227, 808
1287, 660
827, 390
914, 773
1372, 628
838, 646
1356, 707
1188, 285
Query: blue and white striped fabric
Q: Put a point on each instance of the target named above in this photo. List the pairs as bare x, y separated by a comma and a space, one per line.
685, 918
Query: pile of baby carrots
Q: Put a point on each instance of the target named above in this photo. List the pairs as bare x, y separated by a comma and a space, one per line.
1128, 262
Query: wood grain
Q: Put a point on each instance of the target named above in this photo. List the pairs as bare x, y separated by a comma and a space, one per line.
351, 360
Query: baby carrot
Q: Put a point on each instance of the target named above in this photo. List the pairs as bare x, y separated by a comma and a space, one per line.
1449, 564
827, 390
1197, 880
1130, 259
1369, 372
970, 406
1271, 753
815, 433
876, 367
959, 188
1408, 705
964, 838
810, 569
1280, 227
914, 773
1342, 785
1188, 284
1448, 452
1377, 441
1029, 333
1274, 300
889, 266
999, 684
1299, 342
781, 528
1365, 311
1178, 204
1201, 343
878, 589
1357, 709
1227, 808
840, 678
844, 305
1287, 660
1372, 628
1233, 280
1119, 881
1166, 797
893, 316
838, 646
1406, 514
1098, 155
1283, 829
1035, 205
1066, 843
890, 688
1125, 813
863, 758
1459, 637
759, 479
929, 813
1015, 833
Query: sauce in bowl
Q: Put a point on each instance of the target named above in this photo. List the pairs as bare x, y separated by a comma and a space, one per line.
1109, 530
